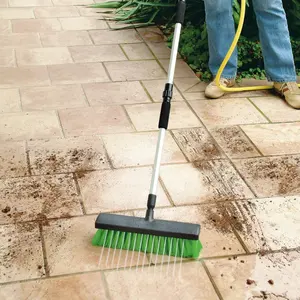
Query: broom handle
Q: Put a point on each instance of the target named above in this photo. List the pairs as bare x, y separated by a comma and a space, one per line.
165, 109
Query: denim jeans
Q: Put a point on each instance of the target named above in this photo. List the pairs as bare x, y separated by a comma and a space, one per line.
273, 34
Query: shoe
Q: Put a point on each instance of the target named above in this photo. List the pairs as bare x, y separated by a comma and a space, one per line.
290, 92
213, 91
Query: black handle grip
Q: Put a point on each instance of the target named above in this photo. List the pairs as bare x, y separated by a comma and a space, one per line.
164, 115
181, 6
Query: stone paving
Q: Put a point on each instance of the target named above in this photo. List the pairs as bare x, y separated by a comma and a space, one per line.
79, 107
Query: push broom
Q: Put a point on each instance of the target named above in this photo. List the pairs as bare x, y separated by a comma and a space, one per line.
147, 234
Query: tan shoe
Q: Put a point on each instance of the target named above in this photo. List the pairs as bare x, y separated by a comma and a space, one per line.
290, 91
214, 92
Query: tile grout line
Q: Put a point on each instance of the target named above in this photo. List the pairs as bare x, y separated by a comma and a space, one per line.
111, 165
79, 194
258, 109
128, 117
106, 71
166, 192
28, 159
147, 92
46, 265
85, 95
60, 124
124, 52
20, 99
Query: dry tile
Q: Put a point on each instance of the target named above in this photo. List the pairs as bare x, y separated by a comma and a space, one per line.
86, 11
82, 54
43, 56
38, 198
94, 120
16, 13
20, 40
82, 23
7, 58
195, 96
67, 155
227, 112
52, 97
139, 149
137, 51
197, 144
253, 82
160, 50
181, 70
37, 25
271, 277
77, 73
5, 26
55, 12
69, 248
112, 93
3, 3
13, 160
9, 100
21, 252
23, 76
135, 70
234, 142
20, 126
271, 176
71, 2
145, 117
190, 85
117, 190
208, 181
22, 3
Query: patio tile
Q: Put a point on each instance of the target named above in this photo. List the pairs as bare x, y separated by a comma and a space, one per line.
181, 70
84, 286
71, 2
227, 112
9, 100
94, 120
20, 40
23, 76
82, 23
7, 58
5, 26
32, 3
156, 87
55, 12
234, 142
13, 160
208, 182
65, 38
271, 176
83, 54
191, 283
281, 269
136, 149
38, 198
67, 155
3, 3
145, 117
43, 56
117, 190
86, 11
112, 93
275, 139
137, 51
16, 13
36, 25
268, 224
21, 253
194, 96
197, 144
107, 36
134, 70
52, 97
190, 85
151, 34
160, 50
69, 248
77, 73
20, 126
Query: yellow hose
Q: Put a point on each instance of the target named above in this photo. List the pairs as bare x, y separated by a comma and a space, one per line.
229, 53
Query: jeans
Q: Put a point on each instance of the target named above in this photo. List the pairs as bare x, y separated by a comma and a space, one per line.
273, 34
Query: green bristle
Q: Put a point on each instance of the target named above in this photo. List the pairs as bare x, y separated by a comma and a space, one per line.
147, 243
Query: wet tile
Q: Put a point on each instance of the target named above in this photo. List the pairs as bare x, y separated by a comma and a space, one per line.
9, 100
83, 54
156, 87
70, 250
181, 70
190, 85
227, 112
52, 97
20, 126
112, 93
13, 160
103, 37
77, 73
21, 252
7, 58
275, 139
117, 190
151, 34
67, 155
145, 117
65, 38
274, 276
71, 2
5, 26
271, 176
43, 56
191, 283
208, 181
197, 144
139, 149
36, 25
85, 286
82, 23
55, 12
101, 120
20, 40
268, 224
134, 70
16, 13
137, 51
234, 142
32, 3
